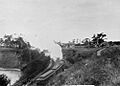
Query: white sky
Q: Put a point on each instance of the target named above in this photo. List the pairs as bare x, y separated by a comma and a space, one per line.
42, 21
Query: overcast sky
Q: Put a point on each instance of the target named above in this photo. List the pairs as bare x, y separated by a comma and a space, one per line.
42, 21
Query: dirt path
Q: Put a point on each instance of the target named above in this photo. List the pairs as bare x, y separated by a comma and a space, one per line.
99, 52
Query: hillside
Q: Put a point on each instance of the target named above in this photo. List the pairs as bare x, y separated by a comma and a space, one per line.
100, 67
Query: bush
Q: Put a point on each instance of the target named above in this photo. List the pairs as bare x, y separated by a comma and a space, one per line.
4, 81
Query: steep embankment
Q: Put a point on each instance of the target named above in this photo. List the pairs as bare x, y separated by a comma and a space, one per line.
77, 54
99, 70
34, 67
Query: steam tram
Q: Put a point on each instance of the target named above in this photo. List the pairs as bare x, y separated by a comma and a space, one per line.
44, 76
41, 79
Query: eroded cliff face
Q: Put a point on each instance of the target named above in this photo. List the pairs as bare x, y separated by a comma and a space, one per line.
99, 67
8, 58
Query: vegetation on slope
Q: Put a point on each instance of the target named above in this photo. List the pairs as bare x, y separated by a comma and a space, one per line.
77, 54
101, 70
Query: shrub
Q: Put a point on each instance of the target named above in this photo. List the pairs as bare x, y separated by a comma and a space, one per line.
4, 81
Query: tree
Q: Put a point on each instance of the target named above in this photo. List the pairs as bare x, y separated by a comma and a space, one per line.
4, 81
7, 40
14, 42
98, 39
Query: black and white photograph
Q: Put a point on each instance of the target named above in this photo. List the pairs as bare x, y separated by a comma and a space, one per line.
59, 42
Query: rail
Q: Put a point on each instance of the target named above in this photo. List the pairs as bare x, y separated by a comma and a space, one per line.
50, 73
